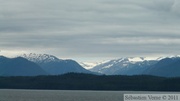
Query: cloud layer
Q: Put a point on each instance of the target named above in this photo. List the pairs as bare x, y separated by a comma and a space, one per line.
90, 29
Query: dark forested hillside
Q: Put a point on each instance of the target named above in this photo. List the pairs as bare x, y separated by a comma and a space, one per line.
73, 81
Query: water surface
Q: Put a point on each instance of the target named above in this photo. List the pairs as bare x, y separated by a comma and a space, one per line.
63, 95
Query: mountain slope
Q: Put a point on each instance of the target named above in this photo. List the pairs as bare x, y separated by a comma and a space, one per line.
55, 66
19, 67
163, 66
168, 67
124, 66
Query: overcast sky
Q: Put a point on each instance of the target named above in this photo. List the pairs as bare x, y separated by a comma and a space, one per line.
90, 29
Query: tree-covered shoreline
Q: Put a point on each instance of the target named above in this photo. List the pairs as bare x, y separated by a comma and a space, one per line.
79, 81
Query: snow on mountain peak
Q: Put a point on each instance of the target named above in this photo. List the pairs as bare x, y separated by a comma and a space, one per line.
136, 59
173, 56
90, 65
40, 57
141, 59
87, 65
131, 60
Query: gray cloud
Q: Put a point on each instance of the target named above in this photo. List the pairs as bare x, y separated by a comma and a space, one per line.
90, 29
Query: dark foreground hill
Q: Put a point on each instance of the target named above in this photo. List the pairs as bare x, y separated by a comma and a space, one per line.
73, 81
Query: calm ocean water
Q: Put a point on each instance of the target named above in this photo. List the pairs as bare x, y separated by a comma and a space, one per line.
62, 95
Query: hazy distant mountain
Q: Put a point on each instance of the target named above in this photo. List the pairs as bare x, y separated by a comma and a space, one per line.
90, 65
168, 67
19, 67
124, 66
55, 66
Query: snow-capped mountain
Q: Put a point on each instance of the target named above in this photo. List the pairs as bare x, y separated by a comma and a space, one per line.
40, 58
133, 65
140, 59
53, 65
90, 65
127, 66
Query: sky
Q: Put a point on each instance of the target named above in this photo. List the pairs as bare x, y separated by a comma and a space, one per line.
90, 30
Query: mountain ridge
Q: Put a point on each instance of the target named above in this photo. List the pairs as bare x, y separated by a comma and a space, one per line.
19, 67
54, 65
133, 66
39, 58
168, 66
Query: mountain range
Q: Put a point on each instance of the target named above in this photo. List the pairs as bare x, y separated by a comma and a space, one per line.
161, 66
53, 65
38, 64
124, 66
43, 64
